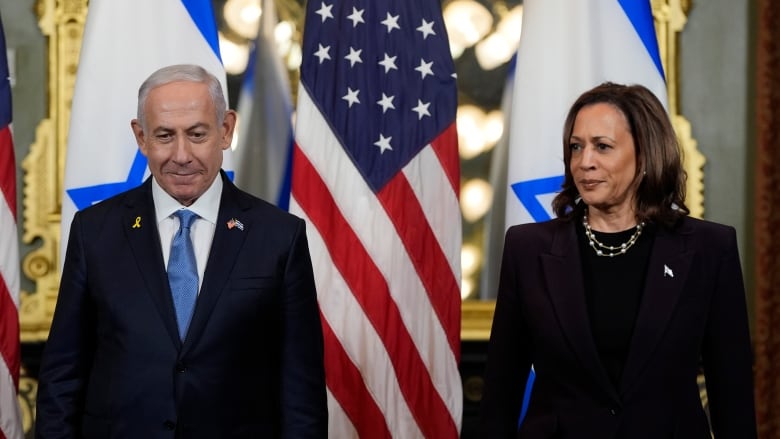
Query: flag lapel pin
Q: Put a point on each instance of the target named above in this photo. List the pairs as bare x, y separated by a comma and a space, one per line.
235, 223
668, 271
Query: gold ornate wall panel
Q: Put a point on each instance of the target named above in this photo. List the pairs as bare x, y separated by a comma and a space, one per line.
62, 22
28, 390
670, 19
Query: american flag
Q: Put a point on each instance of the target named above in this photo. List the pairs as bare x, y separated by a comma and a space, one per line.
376, 175
10, 419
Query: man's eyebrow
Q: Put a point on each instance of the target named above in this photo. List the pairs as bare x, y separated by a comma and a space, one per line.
162, 129
198, 125
165, 129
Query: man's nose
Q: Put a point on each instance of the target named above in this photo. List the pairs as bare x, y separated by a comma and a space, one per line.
182, 150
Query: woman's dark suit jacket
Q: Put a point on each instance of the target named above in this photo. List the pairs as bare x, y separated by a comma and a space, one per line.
692, 313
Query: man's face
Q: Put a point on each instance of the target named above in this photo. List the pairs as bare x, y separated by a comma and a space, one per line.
182, 139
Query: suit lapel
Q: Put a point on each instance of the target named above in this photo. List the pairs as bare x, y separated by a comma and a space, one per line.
224, 249
139, 223
564, 279
667, 272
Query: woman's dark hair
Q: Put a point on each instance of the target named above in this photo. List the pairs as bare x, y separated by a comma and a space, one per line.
660, 178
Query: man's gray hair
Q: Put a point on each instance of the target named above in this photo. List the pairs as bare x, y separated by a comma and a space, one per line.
182, 72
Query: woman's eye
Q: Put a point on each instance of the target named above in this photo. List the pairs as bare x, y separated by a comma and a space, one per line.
575, 146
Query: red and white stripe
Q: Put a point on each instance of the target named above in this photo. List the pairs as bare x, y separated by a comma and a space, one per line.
387, 270
10, 418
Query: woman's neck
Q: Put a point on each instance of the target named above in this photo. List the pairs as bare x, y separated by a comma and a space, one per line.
611, 221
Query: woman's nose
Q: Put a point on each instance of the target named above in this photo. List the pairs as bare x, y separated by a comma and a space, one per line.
587, 157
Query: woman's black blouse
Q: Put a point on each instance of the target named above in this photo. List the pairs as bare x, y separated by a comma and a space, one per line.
613, 292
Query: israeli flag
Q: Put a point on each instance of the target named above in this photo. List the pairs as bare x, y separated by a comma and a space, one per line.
567, 47
123, 43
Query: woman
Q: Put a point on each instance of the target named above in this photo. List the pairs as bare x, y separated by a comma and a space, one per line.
619, 301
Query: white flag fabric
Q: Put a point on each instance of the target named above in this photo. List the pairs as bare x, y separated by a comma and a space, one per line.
566, 48
264, 149
124, 42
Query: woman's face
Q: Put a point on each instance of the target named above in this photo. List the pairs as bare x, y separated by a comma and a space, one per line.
603, 159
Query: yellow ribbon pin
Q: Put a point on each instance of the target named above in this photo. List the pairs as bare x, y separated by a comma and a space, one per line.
137, 224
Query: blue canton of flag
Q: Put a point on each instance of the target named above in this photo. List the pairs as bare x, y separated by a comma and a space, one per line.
384, 100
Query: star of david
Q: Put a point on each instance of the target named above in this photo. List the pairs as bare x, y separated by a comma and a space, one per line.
528, 191
86, 196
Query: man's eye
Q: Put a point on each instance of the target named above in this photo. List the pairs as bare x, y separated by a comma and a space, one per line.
164, 137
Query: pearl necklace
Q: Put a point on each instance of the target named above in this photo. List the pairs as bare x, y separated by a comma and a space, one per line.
608, 250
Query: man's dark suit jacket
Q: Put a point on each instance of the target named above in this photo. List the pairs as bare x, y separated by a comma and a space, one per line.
251, 365
692, 312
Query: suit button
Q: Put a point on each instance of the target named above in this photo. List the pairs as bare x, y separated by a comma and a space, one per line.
180, 367
613, 411
169, 425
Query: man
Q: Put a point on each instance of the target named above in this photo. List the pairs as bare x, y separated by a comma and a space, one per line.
187, 308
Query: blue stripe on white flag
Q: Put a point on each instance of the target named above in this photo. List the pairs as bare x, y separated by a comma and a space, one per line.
202, 14
640, 15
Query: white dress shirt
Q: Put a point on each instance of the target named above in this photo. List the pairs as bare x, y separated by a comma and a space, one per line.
202, 230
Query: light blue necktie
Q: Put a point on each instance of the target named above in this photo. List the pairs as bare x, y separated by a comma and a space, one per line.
183, 272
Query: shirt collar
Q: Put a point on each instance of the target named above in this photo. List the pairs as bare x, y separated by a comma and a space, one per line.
206, 206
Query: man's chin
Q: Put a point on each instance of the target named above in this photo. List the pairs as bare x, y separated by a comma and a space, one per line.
185, 194
185, 200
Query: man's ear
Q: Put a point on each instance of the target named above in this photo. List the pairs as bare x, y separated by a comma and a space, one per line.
229, 126
138, 132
